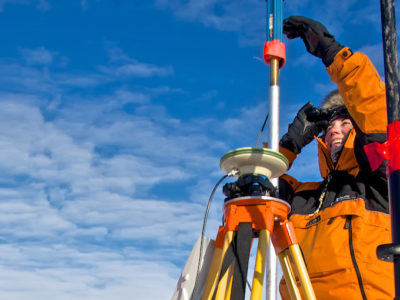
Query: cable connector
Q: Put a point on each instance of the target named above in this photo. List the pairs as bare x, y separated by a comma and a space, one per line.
234, 172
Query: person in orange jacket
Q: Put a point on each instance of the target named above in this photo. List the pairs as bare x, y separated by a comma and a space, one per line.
341, 220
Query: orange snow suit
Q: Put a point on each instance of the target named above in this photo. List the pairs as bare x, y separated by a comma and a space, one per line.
339, 240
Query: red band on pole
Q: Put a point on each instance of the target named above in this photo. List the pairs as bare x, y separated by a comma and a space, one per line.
394, 146
275, 48
389, 150
376, 154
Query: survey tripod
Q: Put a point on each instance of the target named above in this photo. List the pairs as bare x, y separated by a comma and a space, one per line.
251, 211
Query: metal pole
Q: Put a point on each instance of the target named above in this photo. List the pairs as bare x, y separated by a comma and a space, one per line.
393, 112
274, 104
274, 145
390, 60
274, 59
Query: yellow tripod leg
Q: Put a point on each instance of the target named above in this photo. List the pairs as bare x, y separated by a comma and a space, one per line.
212, 274
301, 271
229, 285
290, 279
226, 281
215, 267
259, 268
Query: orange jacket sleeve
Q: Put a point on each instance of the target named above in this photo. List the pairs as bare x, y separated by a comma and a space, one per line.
362, 90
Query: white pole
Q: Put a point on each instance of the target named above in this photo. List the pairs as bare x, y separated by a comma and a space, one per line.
274, 145
274, 119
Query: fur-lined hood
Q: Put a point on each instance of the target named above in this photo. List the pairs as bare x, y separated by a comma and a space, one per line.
332, 101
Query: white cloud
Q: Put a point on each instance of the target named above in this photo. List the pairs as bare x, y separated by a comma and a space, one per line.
65, 273
228, 15
66, 208
38, 75
126, 96
16, 77
84, 5
4, 2
121, 65
81, 80
223, 15
66, 204
43, 5
38, 56
139, 70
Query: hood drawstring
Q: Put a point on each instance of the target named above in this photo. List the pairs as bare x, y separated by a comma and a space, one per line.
322, 196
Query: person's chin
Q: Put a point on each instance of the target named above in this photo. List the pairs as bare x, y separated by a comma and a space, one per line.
336, 147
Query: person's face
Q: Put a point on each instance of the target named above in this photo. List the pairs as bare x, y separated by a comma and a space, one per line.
337, 132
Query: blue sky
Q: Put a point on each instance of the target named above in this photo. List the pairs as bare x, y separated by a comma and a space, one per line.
113, 117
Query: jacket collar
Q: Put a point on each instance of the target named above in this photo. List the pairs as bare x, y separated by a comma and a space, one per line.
346, 161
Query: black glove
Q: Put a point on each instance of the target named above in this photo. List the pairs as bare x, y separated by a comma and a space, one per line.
309, 122
316, 38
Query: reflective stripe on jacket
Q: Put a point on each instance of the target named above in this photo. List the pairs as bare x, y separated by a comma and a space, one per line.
340, 221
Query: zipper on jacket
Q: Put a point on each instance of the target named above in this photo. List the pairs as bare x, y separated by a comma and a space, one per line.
331, 220
353, 257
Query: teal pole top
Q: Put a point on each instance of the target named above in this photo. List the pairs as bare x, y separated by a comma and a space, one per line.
274, 20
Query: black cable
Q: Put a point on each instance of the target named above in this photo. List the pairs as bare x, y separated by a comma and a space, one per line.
204, 229
261, 131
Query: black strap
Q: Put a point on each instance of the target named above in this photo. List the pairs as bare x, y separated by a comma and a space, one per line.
238, 253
